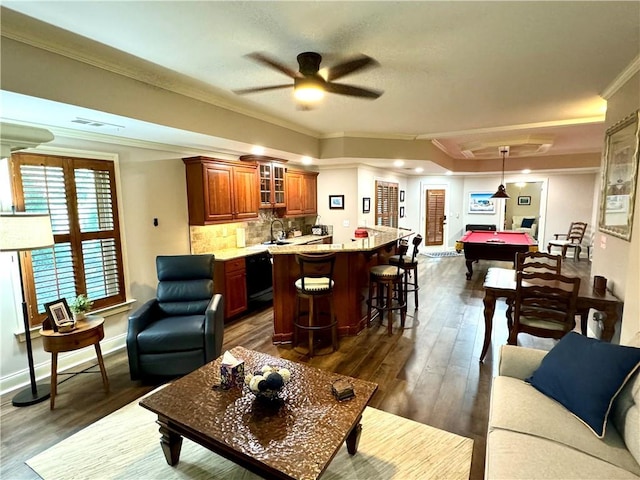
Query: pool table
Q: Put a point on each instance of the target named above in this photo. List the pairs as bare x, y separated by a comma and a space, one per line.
484, 245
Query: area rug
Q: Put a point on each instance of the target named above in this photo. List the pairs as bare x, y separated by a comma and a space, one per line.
442, 254
126, 445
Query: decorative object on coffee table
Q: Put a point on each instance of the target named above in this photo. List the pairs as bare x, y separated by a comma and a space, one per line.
268, 382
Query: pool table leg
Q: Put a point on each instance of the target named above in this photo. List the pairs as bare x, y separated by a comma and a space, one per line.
489, 309
469, 269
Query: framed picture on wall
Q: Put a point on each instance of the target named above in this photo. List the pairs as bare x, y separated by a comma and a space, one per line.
366, 205
402, 195
524, 200
336, 202
481, 202
401, 212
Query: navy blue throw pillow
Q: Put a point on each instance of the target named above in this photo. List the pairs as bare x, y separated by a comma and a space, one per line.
585, 375
527, 222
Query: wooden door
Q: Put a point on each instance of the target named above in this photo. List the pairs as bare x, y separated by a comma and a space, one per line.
246, 192
435, 217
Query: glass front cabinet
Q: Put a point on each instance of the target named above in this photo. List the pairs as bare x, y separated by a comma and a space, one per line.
272, 192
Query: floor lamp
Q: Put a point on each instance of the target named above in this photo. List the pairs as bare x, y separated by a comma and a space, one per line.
25, 232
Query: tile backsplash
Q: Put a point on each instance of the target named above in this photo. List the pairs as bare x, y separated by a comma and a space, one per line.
209, 238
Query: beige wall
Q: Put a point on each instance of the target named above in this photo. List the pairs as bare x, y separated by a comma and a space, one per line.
614, 258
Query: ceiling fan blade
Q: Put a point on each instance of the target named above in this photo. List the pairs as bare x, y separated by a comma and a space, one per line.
243, 91
351, 66
351, 90
262, 58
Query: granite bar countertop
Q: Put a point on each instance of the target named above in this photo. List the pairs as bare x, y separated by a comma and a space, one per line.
231, 253
379, 236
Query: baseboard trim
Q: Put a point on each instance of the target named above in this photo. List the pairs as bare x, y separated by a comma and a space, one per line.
66, 361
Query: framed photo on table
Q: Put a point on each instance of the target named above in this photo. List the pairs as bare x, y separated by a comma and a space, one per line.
336, 202
59, 314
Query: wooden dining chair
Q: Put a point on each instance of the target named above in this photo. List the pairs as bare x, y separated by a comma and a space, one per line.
572, 239
545, 305
533, 262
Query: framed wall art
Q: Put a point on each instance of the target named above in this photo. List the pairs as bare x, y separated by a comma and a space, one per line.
524, 200
401, 212
481, 202
402, 195
336, 202
620, 177
366, 205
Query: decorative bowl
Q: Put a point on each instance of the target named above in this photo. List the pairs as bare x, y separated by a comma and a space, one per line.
268, 382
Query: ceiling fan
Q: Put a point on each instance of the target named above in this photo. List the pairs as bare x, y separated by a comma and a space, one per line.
308, 84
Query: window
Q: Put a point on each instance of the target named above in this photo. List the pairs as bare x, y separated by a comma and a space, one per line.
80, 196
386, 204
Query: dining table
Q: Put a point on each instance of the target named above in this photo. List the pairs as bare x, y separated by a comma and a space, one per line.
501, 283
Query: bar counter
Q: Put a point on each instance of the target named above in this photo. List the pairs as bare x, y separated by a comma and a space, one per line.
351, 279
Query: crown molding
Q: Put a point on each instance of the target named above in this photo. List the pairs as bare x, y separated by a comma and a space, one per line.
510, 128
621, 79
29, 31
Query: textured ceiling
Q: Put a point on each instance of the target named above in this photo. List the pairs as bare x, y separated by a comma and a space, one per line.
480, 73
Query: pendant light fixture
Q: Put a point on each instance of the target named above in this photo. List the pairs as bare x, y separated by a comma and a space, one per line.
502, 192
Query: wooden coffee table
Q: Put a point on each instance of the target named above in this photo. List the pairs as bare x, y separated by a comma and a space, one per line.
294, 438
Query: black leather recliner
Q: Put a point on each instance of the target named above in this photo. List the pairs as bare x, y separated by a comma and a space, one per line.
182, 328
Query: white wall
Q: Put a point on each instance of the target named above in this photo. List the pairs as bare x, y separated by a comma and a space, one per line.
150, 184
613, 257
354, 183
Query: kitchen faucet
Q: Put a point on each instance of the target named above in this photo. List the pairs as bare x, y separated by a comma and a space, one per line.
281, 225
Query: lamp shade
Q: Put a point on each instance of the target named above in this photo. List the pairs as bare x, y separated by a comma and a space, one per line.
25, 231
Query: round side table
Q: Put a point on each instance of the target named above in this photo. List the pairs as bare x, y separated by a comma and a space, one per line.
87, 332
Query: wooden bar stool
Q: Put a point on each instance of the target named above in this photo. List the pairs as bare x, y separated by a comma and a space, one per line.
386, 290
315, 283
410, 266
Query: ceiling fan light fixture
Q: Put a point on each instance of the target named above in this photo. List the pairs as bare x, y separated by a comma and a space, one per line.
308, 90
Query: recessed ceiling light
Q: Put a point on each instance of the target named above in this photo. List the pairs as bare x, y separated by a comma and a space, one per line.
307, 160
526, 171
257, 150
398, 163
419, 170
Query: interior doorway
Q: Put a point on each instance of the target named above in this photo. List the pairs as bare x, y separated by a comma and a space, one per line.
525, 202
435, 218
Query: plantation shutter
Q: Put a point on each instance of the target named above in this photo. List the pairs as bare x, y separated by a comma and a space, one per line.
386, 204
79, 195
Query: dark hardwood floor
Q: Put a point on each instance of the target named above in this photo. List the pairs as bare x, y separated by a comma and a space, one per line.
429, 372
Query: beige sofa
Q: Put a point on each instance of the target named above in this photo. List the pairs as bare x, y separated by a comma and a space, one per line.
532, 436
516, 221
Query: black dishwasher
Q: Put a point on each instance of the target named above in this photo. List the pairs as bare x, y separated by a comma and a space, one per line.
259, 279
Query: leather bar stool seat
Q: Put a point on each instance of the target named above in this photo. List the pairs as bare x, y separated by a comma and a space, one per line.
315, 284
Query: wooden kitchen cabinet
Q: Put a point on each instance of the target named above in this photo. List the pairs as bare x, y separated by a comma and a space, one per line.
221, 191
301, 192
230, 280
271, 173
272, 187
